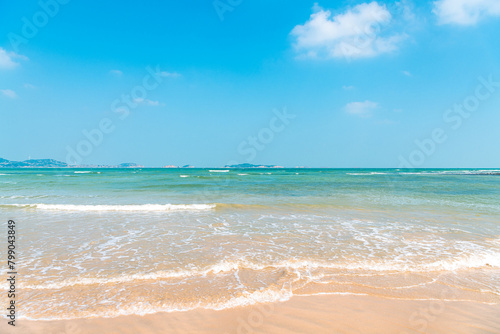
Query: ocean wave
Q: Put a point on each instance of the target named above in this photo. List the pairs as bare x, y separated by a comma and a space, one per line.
86, 172
263, 300
135, 207
217, 206
455, 172
467, 261
371, 173
218, 268
431, 172
218, 170
486, 259
129, 207
265, 296
293, 275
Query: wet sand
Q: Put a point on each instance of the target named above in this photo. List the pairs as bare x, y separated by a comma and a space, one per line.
301, 314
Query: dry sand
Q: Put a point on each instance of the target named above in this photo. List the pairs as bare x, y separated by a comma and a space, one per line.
301, 314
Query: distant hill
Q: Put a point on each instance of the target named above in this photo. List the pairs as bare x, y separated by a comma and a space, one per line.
40, 163
247, 165
51, 163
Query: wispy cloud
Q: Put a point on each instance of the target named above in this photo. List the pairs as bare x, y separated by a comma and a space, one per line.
362, 109
355, 33
148, 102
7, 59
407, 73
465, 12
29, 86
406, 8
116, 73
348, 87
165, 74
8, 93
386, 122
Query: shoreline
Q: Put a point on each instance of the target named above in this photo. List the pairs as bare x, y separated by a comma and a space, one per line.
301, 314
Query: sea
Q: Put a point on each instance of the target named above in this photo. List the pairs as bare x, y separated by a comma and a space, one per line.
110, 242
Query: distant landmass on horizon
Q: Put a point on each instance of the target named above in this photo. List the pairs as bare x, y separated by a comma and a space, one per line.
51, 163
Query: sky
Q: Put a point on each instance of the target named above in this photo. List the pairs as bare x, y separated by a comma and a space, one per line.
341, 84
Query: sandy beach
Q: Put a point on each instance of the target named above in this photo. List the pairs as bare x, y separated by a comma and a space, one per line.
304, 314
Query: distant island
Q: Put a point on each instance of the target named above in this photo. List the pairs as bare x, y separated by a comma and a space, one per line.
51, 163
46, 163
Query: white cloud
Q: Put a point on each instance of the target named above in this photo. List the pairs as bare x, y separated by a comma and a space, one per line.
465, 12
117, 73
348, 87
148, 102
363, 109
407, 73
8, 93
7, 59
353, 34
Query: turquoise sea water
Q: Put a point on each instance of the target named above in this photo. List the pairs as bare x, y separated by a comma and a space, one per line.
150, 240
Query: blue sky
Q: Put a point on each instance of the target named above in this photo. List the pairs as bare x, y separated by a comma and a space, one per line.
319, 84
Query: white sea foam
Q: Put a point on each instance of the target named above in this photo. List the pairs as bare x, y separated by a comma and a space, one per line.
477, 260
481, 260
264, 298
219, 170
433, 172
183, 175
131, 207
299, 269
455, 172
270, 295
